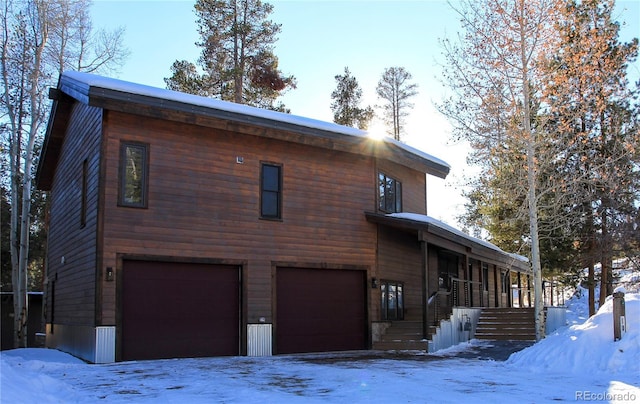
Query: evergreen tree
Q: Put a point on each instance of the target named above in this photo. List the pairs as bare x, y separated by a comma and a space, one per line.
394, 88
346, 102
594, 116
237, 61
185, 78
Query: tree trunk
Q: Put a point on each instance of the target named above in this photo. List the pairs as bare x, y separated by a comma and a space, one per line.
591, 278
532, 185
20, 300
20, 277
592, 290
18, 303
535, 243
606, 259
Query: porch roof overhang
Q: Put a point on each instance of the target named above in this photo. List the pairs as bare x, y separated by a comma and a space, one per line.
440, 234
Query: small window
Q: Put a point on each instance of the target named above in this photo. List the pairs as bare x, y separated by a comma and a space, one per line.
390, 194
392, 300
85, 188
271, 191
134, 161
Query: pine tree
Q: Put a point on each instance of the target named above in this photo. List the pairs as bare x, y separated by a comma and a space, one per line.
594, 115
237, 61
394, 88
346, 102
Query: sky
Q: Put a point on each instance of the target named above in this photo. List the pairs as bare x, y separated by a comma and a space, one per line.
318, 39
578, 362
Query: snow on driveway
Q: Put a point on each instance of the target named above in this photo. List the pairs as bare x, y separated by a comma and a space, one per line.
578, 363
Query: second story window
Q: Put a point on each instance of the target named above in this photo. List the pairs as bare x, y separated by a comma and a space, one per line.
134, 171
390, 196
271, 191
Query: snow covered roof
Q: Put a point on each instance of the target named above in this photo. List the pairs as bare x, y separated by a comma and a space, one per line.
420, 221
93, 89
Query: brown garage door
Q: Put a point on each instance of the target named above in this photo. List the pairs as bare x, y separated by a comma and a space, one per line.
320, 310
173, 310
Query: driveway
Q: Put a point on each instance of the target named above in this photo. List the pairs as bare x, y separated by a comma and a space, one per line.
480, 350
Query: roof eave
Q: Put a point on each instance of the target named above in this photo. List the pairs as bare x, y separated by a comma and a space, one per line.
123, 101
53, 138
477, 248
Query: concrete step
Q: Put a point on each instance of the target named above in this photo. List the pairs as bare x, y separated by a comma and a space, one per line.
403, 331
406, 324
403, 335
408, 345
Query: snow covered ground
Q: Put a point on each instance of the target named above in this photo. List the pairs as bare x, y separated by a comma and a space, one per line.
580, 362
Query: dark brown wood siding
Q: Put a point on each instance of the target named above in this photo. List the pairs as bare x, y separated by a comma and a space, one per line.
414, 188
72, 246
204, 203
400, 259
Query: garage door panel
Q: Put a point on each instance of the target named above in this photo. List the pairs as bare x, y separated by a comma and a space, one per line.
320, 310
179, 310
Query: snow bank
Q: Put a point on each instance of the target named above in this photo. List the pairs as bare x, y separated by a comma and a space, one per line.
588, 347
23, 382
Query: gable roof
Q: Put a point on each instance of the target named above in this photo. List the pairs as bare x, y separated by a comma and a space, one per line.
118, 95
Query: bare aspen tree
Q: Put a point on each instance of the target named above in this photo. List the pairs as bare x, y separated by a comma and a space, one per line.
40, 39
492, 73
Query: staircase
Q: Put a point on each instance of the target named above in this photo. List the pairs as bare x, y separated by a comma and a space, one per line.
516, 324
406, 335
402, 335
506, 324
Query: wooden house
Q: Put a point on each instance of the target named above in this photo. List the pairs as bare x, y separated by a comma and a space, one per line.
183, 226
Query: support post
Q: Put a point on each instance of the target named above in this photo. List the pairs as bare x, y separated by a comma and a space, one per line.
520, 302
619, 320
424, 248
